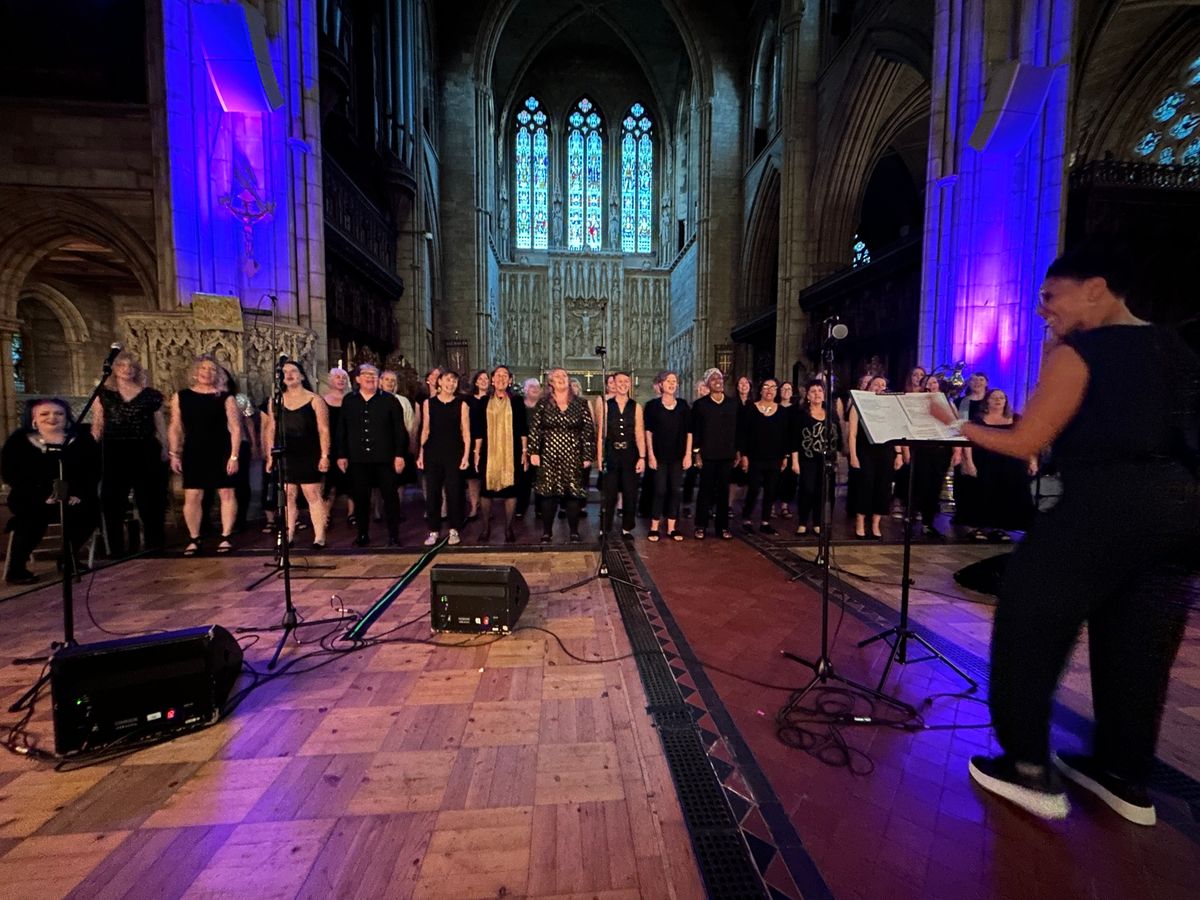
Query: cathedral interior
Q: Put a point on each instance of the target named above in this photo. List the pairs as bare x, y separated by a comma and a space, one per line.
682, 184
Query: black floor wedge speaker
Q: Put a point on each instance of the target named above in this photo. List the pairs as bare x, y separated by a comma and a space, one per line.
476, 599
141, 689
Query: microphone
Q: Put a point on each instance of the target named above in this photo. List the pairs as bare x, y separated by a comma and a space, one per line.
112, 354
839, 332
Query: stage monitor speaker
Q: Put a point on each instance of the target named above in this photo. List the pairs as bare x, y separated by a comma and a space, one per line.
476, 599
1015, 97
238, 57
141, 689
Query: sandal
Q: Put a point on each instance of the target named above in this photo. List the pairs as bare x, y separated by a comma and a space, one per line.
977, 535
193, 547
652, 537
727, 535
675, 535
699, 535
269, 528
225, 546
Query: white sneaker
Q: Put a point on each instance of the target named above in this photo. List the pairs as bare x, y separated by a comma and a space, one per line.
432, 539
454, 538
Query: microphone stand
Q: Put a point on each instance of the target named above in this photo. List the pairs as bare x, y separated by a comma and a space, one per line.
822, 667
61, 492
602, 570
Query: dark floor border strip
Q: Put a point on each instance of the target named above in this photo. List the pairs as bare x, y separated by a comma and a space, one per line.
800, 865
1165, 778
725, 861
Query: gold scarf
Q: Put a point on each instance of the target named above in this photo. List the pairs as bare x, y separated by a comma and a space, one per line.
501, 467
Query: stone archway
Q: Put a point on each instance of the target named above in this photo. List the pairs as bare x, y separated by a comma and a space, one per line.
74, 335
33, 228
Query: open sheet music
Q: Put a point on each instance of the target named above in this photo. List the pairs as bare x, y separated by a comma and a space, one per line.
903, 417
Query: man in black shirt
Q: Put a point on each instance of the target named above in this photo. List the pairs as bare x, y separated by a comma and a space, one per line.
714, 443
371, 441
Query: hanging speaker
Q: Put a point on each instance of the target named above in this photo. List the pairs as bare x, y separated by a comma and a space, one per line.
1015, 97
236, 53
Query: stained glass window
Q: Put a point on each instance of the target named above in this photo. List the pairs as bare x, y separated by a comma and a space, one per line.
862, 255
1173, 122
637, 181
532, 177
17, 355
585, 177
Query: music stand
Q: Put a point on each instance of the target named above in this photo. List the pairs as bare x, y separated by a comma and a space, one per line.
899, 635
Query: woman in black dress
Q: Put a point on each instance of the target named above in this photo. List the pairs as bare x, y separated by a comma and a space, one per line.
29, 465
871, 468
1001, 500
562, 443
479, 391
129, 426
444, 456
306, 437
787, 478
815, 429
336, 481
205, 429
501, 437
668, 453
740, 477
928, 467
765, 448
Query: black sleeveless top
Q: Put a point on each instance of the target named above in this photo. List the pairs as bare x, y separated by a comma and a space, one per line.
1142, 402
445, 429
621, 426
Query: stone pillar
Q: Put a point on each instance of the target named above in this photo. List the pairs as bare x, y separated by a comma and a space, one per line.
800, 56
992, 220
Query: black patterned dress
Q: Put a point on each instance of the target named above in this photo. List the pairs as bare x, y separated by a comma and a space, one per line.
564, 439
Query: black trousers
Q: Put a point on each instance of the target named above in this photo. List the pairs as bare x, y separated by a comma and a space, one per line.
690, 478
646, 497
444, 475
550, 509
714, 493
29, 527
620, 477
136, 466
367, 475
808, 492
668, 484
525, 482
763, 477
928, 471
1109, 554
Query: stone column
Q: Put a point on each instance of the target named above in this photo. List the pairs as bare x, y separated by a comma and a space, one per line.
992, 220
800, 57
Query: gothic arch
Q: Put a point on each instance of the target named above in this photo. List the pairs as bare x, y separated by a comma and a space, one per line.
761, 247
75, 330
33, 226
885, 98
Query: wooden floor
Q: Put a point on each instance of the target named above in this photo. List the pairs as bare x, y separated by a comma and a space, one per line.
463, 768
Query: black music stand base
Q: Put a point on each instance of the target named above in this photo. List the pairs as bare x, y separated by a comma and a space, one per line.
901, 633
823, 673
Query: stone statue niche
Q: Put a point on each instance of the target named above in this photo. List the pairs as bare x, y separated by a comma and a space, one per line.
586, 327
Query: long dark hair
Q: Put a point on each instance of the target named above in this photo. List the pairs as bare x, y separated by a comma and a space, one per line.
491, 392
304, 382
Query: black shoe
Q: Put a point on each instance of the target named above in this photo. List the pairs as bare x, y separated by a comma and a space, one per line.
546, 537
766, 528
519, 516
318, 545
1128, 800
20, 576
362, 541
485, 533
626, 535
1035, 788
575, 538
933, 534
